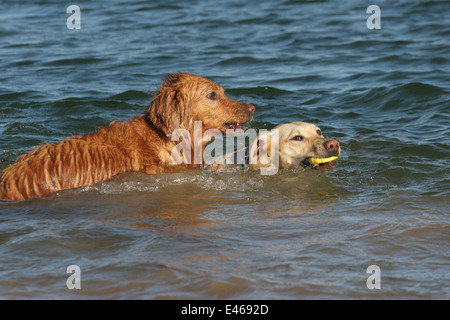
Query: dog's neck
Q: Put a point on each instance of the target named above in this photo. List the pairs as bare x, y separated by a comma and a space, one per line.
164, 146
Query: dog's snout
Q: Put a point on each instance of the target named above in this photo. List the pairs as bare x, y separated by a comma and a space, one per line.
332, 145
251, 108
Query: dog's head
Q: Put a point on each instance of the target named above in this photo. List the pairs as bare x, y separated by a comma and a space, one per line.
299, 145
184, 98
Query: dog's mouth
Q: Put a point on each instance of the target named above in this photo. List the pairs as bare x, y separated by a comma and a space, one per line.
235, 126
322, 164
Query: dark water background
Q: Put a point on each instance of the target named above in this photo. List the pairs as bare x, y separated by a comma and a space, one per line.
384, 94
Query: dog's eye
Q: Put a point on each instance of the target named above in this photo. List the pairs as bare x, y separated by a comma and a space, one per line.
319, 132
298, 138
212, 96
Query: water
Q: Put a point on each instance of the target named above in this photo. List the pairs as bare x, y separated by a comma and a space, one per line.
384, 94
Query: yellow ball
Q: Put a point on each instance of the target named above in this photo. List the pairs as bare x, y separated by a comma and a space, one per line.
315, 161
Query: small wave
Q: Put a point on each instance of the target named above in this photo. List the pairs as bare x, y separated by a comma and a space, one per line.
27, 128
296, 185
137, 182
73, 62
416, 89
260, 91
131, 95
241, 60
19, 95
409, 96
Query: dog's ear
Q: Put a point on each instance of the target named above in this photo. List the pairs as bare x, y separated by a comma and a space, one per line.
265, 149
260, 149
168, 110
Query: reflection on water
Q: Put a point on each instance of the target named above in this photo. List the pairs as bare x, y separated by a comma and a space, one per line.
197, 199
230, 235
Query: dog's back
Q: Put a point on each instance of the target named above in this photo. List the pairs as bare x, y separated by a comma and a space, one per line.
71, 163
79, 161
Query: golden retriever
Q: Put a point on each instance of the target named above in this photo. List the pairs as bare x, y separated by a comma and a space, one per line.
294, 145
142, 144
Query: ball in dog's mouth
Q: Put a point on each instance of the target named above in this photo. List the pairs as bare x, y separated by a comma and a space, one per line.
315, 161
322, 164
